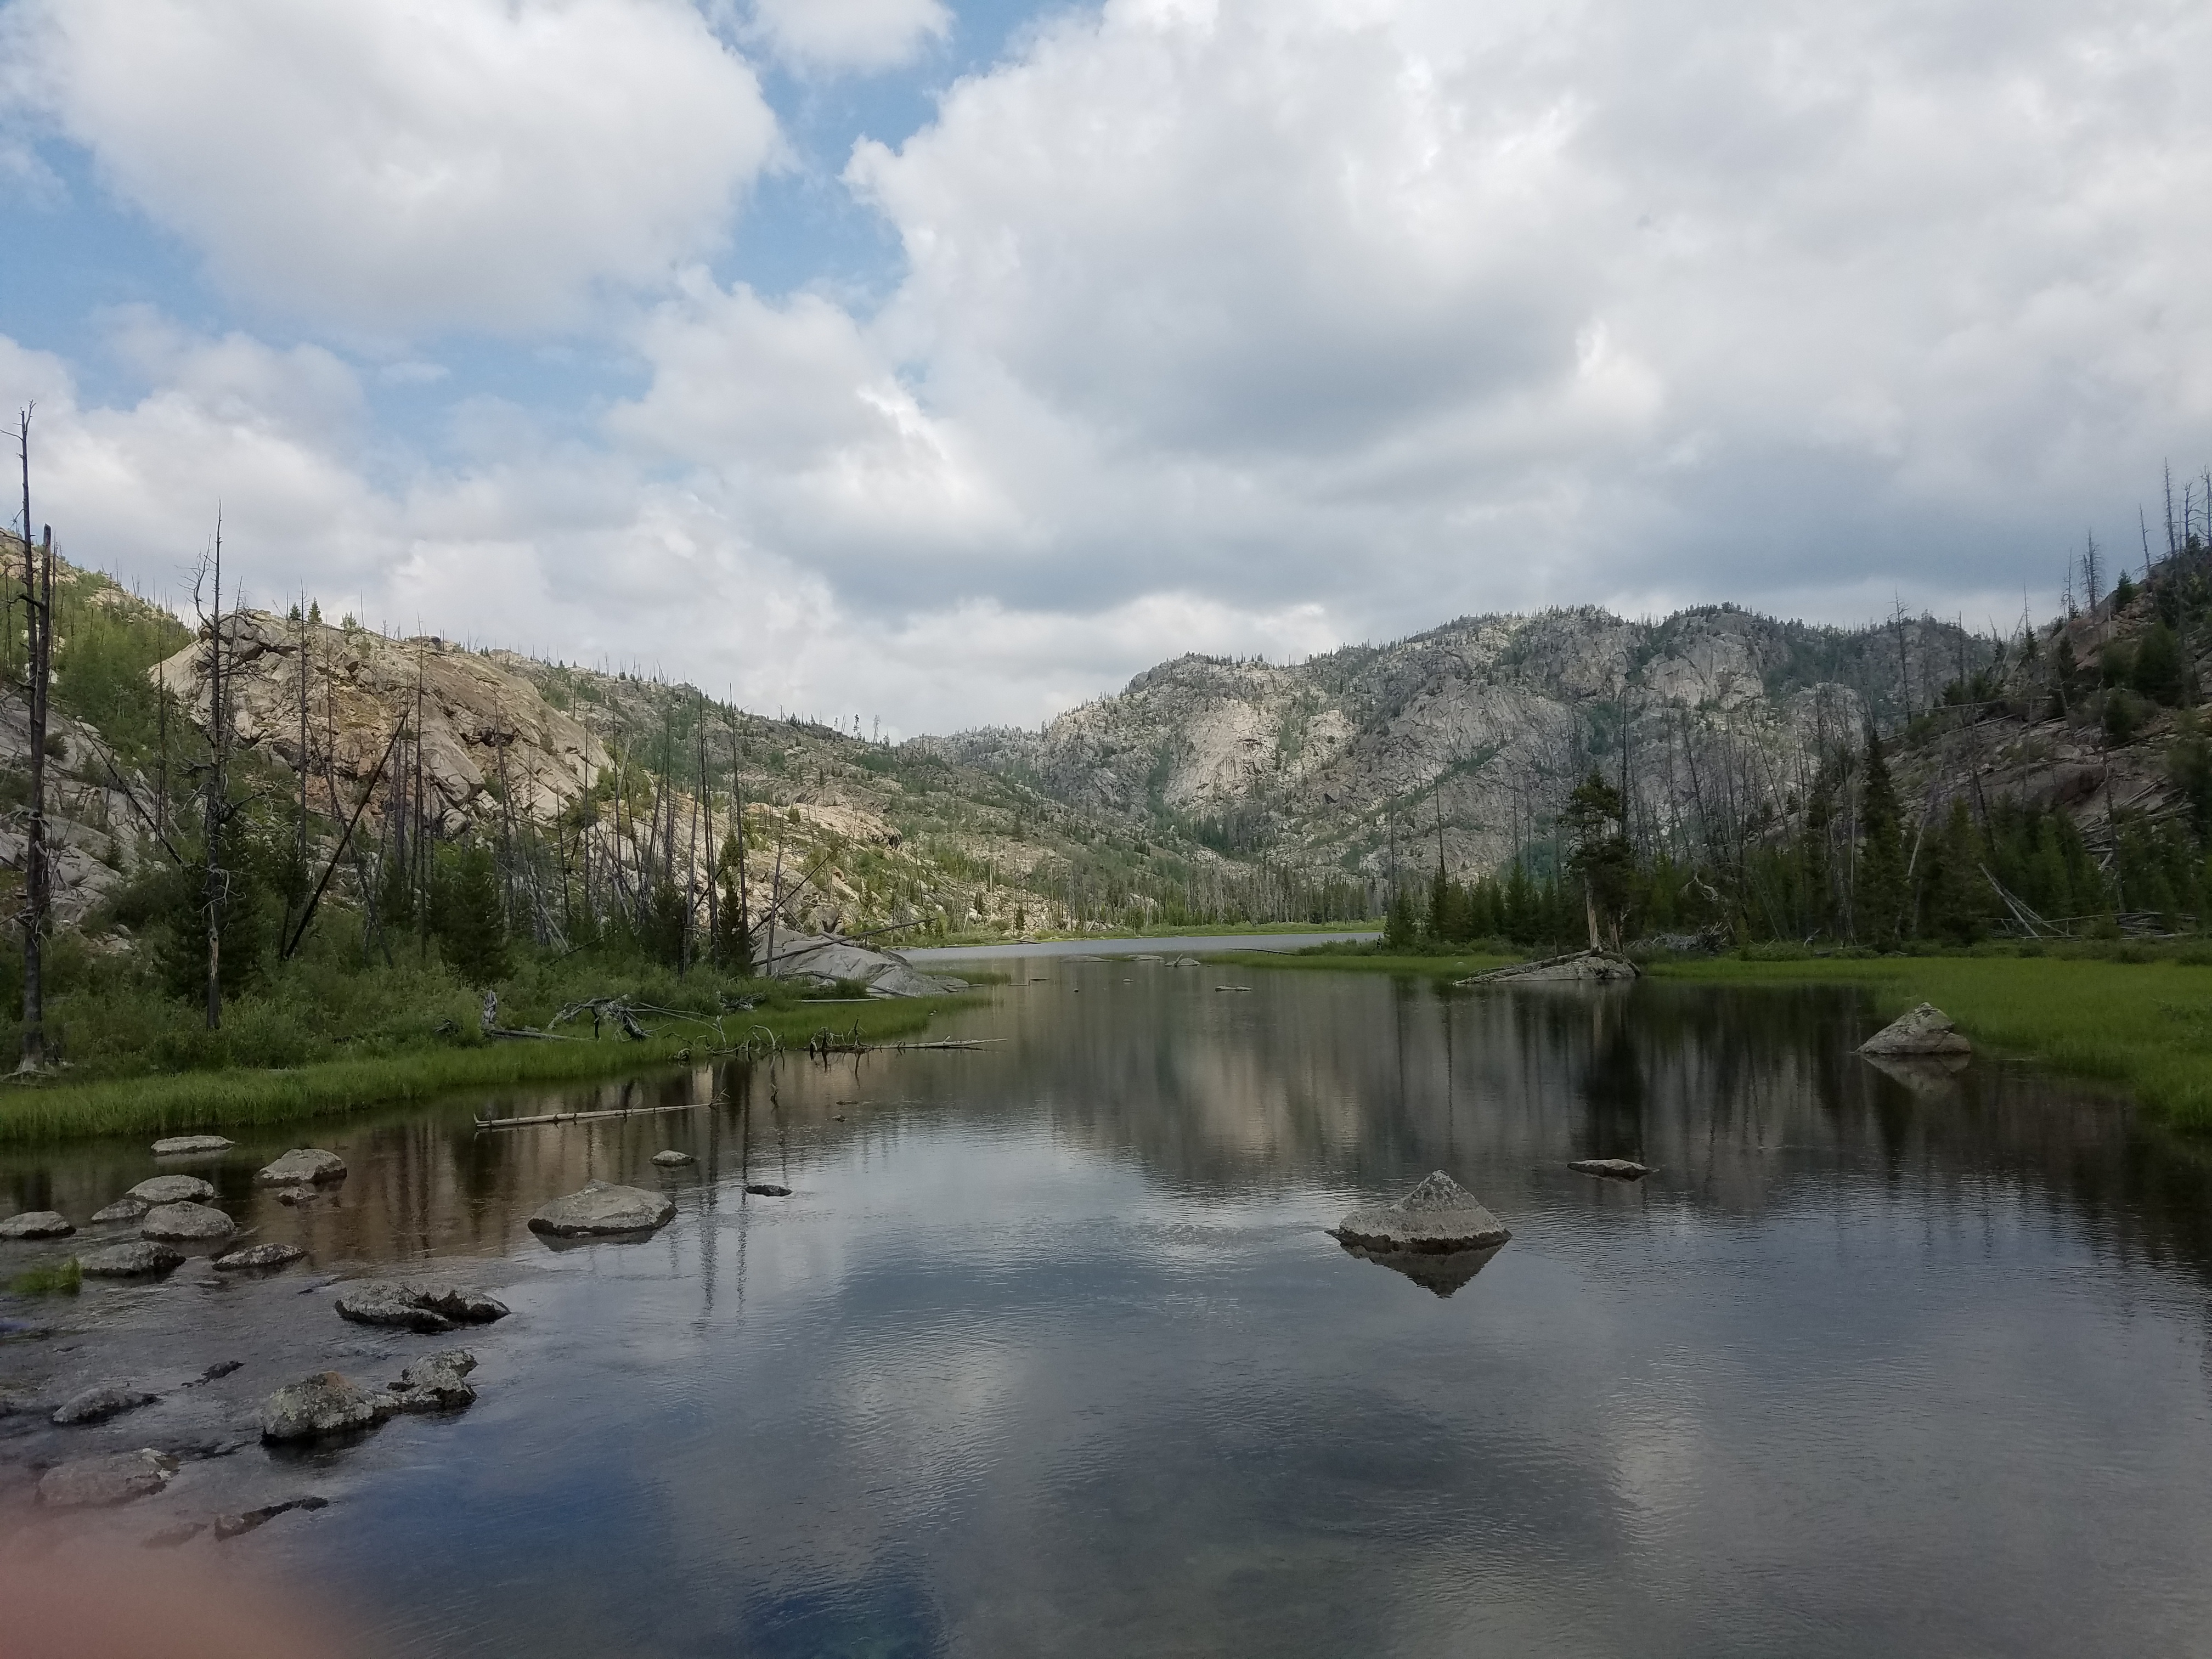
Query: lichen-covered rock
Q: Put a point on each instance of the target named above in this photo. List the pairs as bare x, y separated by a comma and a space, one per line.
103, 1482
302, 1166
1925, 1030
602, 1209
140, 1259
415, 1307
97, 1405
191, 1224
173, 1189
37, 1224
1619, 1169
124, 1209
186, 1145
269, 1255
1439, 1214
437, 1383
325, 1403
672, 1159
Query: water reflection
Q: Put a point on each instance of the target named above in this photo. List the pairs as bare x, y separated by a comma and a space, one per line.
1047, 1349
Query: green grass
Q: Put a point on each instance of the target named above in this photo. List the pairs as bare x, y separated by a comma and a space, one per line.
244, 1097
64, 1278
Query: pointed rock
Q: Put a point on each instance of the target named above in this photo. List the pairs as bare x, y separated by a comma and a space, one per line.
1437, 1215
1926, 1030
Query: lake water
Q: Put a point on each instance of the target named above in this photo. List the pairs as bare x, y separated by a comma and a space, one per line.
1048, 1352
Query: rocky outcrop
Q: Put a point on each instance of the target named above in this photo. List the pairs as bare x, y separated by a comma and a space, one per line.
602, 1210
173, 1189
189, 1145
191, 1223
1925, 1032
37, 1224
827, 960
1438, 1215
104, 1482
1577, 968
303, 1166
417, 1307
325, 1403
142, 1259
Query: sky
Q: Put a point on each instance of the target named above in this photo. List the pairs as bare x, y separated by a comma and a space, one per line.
938, 364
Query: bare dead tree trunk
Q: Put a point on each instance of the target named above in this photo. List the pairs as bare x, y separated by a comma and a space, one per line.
38, 612
216, 886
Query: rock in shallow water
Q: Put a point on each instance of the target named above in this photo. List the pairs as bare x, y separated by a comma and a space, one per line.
672, 1159
231, 1525
1619, 1169
603, 1208
181, 1145
429, 1307
140, 1260
1926, 1030
438, 1383
173, 1189
325, 1403
37, 1224
270, 1254
98, 1405
302, 1166
1439, 1214
124, 1209
193, 1223
103, 1482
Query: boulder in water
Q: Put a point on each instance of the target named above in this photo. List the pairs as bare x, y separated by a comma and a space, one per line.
186, 1145
124, 1209
37, 1224
415, 1307
672, 1159
437, 1383
230, 1526
191, 1223
98, 1405
302, 1166
1438, 1215
1925, 1030
270, 1254
1577, 968
603, 1209
173, 1189
325, 1403
1619, 1169
140, 1259
95, 1483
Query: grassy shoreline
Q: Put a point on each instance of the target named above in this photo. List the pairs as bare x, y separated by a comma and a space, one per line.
2144, 1026
240, 1096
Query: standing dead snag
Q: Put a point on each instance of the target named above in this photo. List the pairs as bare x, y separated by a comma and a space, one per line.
38, 614
216, 888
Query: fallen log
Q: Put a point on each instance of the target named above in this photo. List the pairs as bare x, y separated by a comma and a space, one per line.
586, 1117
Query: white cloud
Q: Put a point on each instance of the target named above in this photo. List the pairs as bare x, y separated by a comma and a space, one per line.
408, 165
868, 36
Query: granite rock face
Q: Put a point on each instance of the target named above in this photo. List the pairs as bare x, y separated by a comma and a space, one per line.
325, 1403
300, 1167
103, 1482
142, 1259
191, 1224
602, 1209
1925, 1032
1438, 1215
37, 1224
173, 1189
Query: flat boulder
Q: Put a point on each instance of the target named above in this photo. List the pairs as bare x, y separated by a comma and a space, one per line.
1618, 1168
302, 1166
1926, 1030
99, 1483
173, 1189
602, 1209
1437, 1215
325, 1403
672, 1159
37, 1224
140, 1259
824, 959
98, 1405
269, 1255
186, 1145
191, 1224
414, 1307
1576, 968
436, 1383
124, 1209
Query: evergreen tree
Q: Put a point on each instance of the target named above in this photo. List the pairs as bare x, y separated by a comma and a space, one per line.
1602, 863
467, 915
1880, 885
1953, 896
1400, 926
2158, 673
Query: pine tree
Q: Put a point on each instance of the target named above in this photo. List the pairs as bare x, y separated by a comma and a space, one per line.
2159, 674
466, 914
1880, 885
1953, 896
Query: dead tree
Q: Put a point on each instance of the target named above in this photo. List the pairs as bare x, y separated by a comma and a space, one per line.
38, 881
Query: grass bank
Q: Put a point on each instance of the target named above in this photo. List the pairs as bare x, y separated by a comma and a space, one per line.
2144, 1024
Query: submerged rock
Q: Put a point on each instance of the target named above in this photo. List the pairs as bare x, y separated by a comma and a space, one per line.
184, 1145
437, 1383
672, 1159
170, 1537
191, 1223
1619, 1169
1438, 1215
415, 1307
90, 1483
1577, 968
124, 1209
271, 1254
302, 1166
325, 1403
603, 1208
1926, 1030
139, 1260
173, 1189
231, 1525
37, 1224
98, 1405
767, 1190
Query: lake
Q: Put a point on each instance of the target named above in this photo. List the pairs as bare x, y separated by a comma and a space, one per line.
1047, 1350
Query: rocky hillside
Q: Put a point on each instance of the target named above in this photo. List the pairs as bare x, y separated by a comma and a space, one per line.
1473, 733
